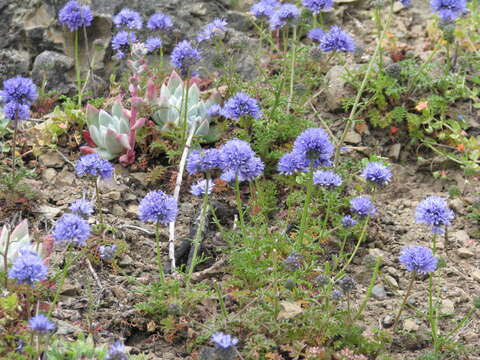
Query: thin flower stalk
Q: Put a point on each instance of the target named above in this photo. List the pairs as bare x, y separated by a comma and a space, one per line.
308, 198
159, 253
292, 67
407, 294
239, 204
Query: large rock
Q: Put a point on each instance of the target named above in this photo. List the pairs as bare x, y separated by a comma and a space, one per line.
13, 62
56, 70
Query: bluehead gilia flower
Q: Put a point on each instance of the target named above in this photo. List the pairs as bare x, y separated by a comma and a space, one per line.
15, 111
71, 228
107, 252
327, 179
376, 173
434, 211
94, 165
75, 16
153, 44
348, 221
238, 159
159, 21
283, 15
81, 207
128, 19
241, 105
215, 29
264, 8
28, 268
362, 206
316, 35
224, 341
184, 56
316, 6
337, 40
200, 162
419, 259
116, 351
19, 90
40, 324
122, 43
291, 163
158, 207
449, 10
314, 145
198, 189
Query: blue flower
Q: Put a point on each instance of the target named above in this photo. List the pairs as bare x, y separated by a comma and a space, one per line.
434, 212
94, 165
223, 341
71, 228
153, 43
337, 294
81, 207
128, 19
316, 6
198, 189
107, 252
19, 90
316, 35
241, 105
214, 110
327, 179
406, 3
314, 145
419, 259
363, 206
264, 8
377, 173
40, 324
239, 160
203, 161
159, 21
215, 29
337, 40
28, 268
291, 163
348, 221
15, 111
347, 284
449, 10
116, 352
74, 16
184, 56
122, 42
158, 207
284, 14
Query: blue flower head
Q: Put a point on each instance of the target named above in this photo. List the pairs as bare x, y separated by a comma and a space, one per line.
203, 161
128, 19
327, 178
316, 6
214, 110
362, 206
94, 165
74, 16
116, 352
238, 159
449, 10
15, 111
40, 324
337, 40
419, 259
122, 42
264, 8
284, 14
291, 163
434, 212
159, 21
184, 56
316, 35
198, 189
107, 252
223, 341
348, 221
71, 228
153, 44
28, 268
19, 90
314, 145
158, 207
241, 105
377, 174
81, 207
215, 29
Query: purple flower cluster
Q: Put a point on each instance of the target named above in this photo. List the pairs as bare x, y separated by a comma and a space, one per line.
449, 10
241, 105
316, 35
327, 178
264, 8
107, 252
18, 94
214, 110
74, 16
153, 44
184, 56
116, 352
362, 206
71, 228
16, 111
419, 259
223, 340
239, 160
203, 161
316, 6
159, 21
377, 174
337, 40
215, 29
158, 207
198, 189
282, 15
40, 324
348, 221
122, 43
434, 212
128, 19
94, 165
81, 207
28, 268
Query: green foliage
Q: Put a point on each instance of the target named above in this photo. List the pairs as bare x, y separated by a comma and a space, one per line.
83, 347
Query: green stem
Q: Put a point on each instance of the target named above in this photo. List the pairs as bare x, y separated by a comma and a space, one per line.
159, 254
407, 294
198, 233
239, 204
308, 198
370, 288
185, 108
14, 149
77, 69
432, 316
99, 202
223, 309
292, 67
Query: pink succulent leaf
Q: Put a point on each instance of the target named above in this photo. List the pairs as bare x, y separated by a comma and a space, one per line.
123, 139
138, 124
87, 150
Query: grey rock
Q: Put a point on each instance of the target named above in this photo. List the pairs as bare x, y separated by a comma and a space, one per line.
388, 321
391, 282
447, 307
410, 325
353, 138
49, 175
51, 160
476, 275
13, 63
461, 237
465, 253
394, 152
125, 261
378, 292
70, 288
64, 328
338, 88
53, 69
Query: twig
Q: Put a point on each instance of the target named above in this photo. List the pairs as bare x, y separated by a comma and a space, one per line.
65, 158
128, 226
214, 269
95, 276
335, 140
